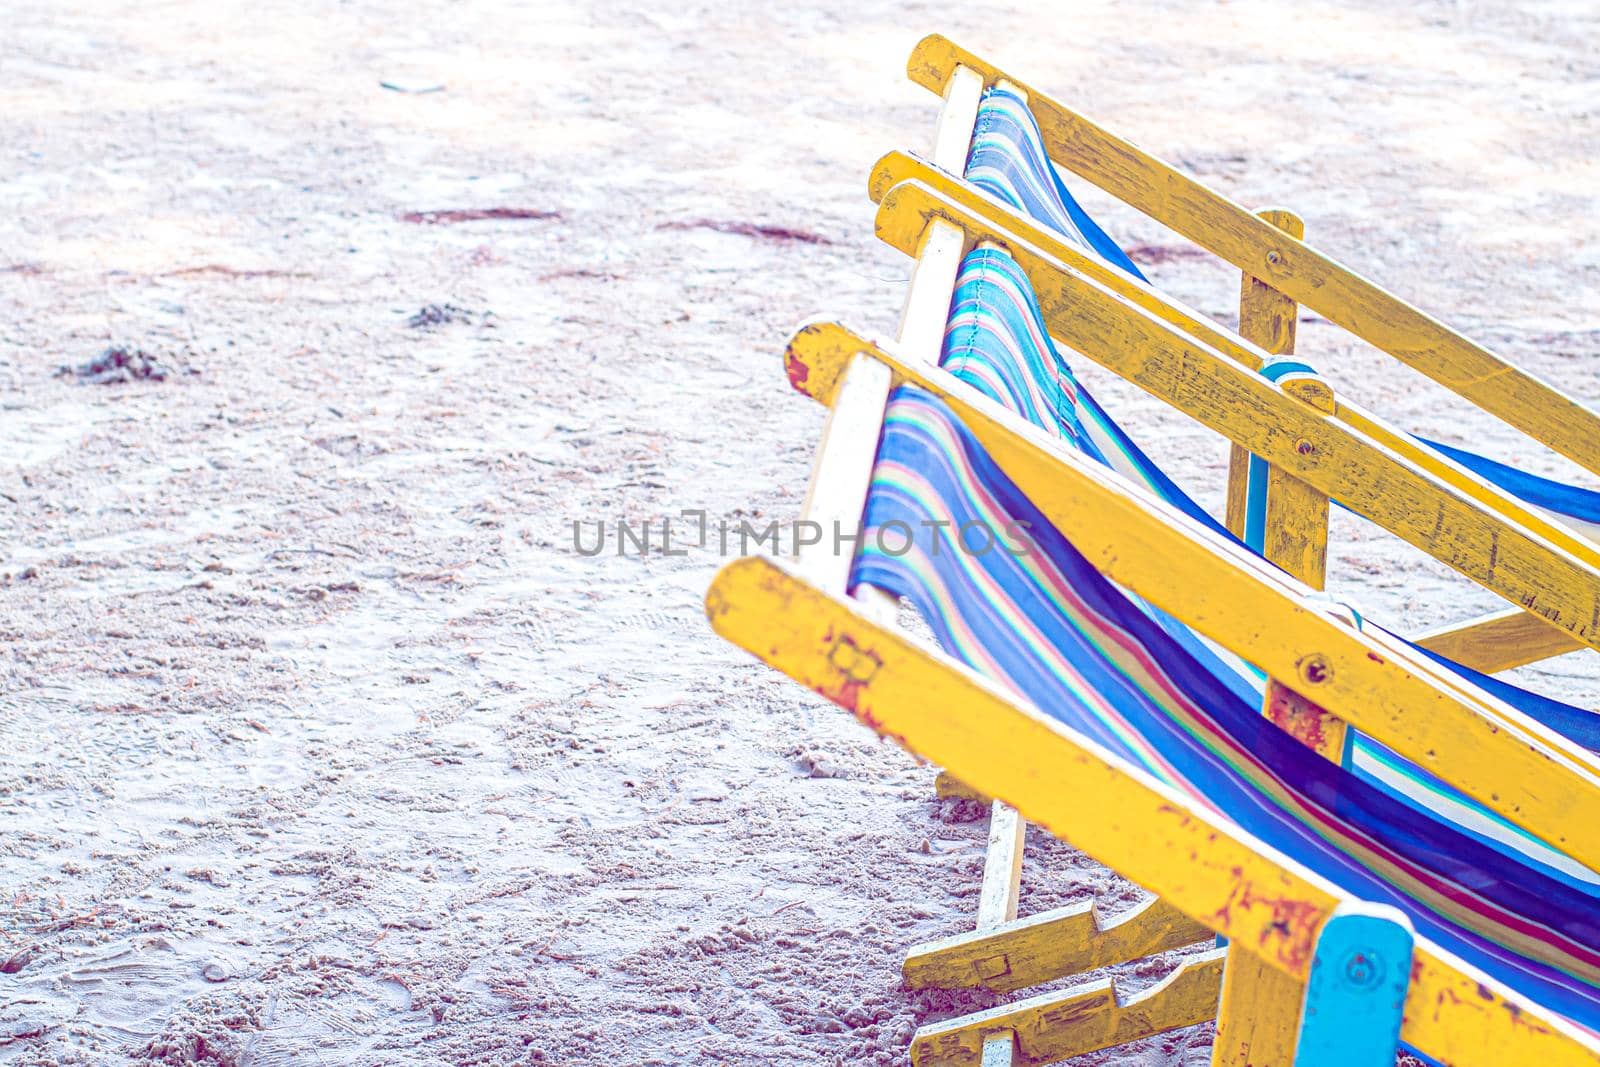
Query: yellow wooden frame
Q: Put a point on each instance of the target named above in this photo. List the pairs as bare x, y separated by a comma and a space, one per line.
1031, 1029
1296, 526
1083, 1018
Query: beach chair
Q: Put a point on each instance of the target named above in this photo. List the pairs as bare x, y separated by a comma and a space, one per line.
1012, 954
1278, 269
1007, 955
1484, 986
996, 345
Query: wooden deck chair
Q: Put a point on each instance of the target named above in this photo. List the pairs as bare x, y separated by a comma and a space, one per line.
1010, 954
1280, 916
996, 345
1279, 269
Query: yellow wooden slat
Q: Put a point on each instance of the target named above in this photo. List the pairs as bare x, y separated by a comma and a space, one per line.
1512, 765
1047, 946
1465, 482
1296, 533
1202, 865
1084, 1018
1498, 641
898, 167
1268, 317
1258, 1016
1238, 498
1296, 529
1319, 282
1478, 541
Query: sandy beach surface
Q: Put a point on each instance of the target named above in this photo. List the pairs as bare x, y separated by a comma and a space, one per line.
319, 743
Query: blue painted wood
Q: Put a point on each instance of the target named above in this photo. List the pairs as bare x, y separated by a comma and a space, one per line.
1357, 991
1275, 367
1255, 505
1255, 508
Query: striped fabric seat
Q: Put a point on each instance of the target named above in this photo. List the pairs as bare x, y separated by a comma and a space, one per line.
995, 340
1004, 593
1573, 505
1008, 160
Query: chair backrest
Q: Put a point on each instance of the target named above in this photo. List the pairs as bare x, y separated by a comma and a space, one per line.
1008, 160
1272, 907
1252, 244
1380, 686
1010, 163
